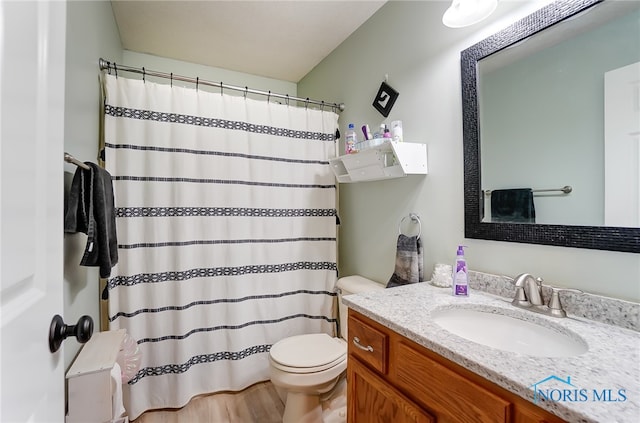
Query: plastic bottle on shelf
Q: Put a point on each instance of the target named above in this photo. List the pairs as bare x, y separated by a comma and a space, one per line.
396, 130
350, 139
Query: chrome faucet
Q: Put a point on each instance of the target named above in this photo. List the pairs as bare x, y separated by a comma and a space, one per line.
528, 291
529, 296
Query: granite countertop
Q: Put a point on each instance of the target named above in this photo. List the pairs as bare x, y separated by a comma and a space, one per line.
605, 380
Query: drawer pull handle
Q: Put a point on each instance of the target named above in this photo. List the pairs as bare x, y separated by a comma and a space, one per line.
356, 342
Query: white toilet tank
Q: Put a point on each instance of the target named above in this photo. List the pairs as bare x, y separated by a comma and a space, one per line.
352, 285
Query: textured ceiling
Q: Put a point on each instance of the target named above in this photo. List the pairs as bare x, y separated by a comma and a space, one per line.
277, 39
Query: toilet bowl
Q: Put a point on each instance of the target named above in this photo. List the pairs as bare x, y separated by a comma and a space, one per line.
307, 367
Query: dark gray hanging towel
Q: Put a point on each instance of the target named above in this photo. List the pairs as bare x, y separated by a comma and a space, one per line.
91, 211
409, 262
513, 205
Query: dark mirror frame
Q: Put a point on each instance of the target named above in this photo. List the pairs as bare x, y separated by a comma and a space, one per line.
591, 237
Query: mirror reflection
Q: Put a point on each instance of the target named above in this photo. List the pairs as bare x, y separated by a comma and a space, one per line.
559, 123
526, 169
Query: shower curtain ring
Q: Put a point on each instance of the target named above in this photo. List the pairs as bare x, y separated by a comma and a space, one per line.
144, 75
269, 96
221, 88
115, 68
322, 107
306, 103
197, 82
172, 79
287, 99
246, 90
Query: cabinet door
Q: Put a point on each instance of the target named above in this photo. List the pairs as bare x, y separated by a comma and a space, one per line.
372, 400
449, 395
529, 413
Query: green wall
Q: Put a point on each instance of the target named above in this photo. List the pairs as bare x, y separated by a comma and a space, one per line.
91, 34
407, 41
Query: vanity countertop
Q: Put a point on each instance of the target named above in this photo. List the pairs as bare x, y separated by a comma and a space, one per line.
605, 379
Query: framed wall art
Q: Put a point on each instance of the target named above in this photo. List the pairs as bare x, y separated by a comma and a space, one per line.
385, 99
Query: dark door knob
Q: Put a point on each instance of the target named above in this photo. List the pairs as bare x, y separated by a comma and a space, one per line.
58, 331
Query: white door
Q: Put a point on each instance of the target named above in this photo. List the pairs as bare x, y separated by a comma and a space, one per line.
32, 78
622, 146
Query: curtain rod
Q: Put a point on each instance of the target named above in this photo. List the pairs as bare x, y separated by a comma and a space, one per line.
109, 66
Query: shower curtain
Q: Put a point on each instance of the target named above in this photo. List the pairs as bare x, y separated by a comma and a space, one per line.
226, 227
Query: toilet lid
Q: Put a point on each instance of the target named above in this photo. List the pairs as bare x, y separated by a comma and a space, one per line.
307, 351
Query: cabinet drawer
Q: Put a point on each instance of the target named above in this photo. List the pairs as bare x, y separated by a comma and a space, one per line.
368, 344
450, 396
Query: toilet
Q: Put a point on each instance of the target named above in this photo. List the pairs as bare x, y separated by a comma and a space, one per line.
308, 367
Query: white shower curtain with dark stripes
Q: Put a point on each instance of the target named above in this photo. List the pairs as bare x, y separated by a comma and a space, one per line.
226, 228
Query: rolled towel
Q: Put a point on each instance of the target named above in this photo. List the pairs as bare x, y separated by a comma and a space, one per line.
409, 262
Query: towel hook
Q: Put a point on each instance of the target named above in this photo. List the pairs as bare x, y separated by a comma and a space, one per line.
415, 218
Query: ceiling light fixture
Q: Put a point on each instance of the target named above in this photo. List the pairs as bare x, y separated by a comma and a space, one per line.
468, 12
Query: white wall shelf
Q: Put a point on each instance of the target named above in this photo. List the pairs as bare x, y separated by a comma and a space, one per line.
385, 161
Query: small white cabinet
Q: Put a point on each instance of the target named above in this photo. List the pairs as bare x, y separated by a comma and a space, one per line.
90, 386
388, 160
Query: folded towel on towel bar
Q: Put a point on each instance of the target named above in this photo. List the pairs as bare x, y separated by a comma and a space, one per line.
91, 211
513, 205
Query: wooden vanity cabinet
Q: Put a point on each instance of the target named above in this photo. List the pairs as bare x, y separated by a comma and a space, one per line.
372, 400
391, 379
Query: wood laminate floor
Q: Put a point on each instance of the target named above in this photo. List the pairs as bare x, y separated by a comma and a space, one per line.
259, 403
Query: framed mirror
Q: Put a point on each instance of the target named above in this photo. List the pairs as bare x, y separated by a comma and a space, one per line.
544, 154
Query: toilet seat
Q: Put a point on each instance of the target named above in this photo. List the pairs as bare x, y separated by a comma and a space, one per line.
308, 353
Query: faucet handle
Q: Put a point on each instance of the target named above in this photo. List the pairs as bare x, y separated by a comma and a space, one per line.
555, 306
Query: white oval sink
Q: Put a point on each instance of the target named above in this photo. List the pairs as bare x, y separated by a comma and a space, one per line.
510, 333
